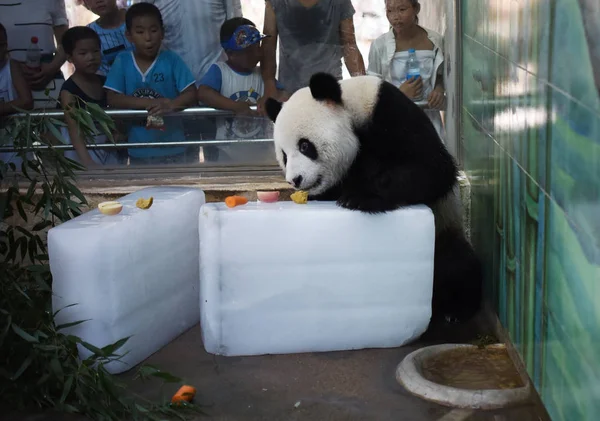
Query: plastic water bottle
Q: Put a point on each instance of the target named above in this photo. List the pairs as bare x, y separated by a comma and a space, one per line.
33, 55
413, 70
412, 65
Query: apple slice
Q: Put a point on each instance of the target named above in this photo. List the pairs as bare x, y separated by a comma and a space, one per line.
110, 208
268, 196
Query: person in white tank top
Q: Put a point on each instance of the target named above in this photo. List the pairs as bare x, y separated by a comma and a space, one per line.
14, 94
388, 57
236, 85
14, 91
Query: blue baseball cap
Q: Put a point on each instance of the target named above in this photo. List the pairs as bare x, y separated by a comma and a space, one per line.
243, 37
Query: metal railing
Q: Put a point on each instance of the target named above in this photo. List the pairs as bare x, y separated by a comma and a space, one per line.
132, 114
127, 114
137, 145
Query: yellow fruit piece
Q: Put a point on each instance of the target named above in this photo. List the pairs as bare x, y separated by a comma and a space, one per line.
300, 197
110, 208
144, 203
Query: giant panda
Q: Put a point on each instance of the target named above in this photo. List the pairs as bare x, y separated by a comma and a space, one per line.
364, 144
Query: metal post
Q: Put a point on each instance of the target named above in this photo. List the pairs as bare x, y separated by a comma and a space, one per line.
458, 81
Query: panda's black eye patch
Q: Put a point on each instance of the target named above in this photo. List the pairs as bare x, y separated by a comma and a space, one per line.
284, 158
307, 148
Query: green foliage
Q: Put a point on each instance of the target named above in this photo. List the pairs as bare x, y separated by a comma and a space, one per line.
40, 367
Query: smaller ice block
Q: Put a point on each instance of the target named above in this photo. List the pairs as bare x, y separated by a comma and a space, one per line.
135, 273
285, 278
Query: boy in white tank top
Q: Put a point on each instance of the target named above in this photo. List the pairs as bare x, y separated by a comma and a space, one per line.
236, 85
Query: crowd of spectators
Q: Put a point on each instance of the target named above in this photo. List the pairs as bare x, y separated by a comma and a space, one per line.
131, 57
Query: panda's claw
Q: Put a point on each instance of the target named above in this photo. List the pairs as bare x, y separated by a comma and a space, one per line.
364, 203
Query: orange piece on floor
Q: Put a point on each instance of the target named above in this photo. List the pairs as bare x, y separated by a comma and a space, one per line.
185, 393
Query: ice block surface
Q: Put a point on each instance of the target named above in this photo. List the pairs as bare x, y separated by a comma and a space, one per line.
135, 273
284, 278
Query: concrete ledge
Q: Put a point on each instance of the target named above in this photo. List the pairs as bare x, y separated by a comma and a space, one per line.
408, 374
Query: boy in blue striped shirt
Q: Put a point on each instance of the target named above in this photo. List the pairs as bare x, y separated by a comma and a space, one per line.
110, 27
154, 80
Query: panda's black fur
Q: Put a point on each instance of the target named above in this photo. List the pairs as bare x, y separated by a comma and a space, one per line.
402, 161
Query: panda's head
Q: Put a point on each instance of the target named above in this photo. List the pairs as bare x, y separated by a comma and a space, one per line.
314, 134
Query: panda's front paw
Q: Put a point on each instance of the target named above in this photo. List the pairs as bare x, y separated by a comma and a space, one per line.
367, 203
451, 320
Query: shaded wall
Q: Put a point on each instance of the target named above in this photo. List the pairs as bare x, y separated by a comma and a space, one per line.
531, 144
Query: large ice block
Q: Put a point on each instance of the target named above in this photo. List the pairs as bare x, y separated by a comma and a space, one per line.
135, 273
285, 278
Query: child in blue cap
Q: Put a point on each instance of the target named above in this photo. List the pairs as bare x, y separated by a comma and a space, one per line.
236, 85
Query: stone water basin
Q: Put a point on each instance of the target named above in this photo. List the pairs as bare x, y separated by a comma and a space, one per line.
463, 376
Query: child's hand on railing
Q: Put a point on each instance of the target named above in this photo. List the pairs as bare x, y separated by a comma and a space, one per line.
243, 108
161, 106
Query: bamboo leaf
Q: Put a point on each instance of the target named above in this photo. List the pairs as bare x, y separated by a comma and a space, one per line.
71, 324
4, 330
43, 379
26, 336
48, 347
41, 202
56, 122
55, 132
48, 204
31, 190
66, 389
41, 225
21, 210
63, 308
32, 248
24, 170
107, 131
23, 246
76, 192
24, 366
96, 351
86, 121
24, 232
57, 368
37, 268
110, 349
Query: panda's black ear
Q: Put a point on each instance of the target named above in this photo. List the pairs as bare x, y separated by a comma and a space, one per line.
273, 107
325, 87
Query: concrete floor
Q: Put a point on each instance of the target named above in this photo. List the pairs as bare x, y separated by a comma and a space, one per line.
351, 385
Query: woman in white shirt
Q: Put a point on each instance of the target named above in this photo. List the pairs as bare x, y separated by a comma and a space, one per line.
389, 54
46, 20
